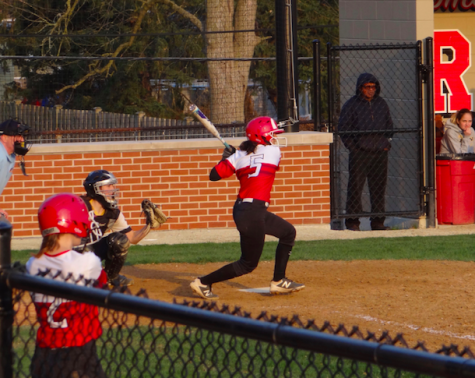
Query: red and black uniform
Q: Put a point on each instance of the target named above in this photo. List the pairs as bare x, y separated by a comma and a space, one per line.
65, 342
256, 173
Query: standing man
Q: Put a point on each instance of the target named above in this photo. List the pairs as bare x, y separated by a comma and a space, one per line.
113, 242
367, 115
12, 138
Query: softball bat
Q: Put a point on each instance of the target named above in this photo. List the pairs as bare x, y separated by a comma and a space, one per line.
207, 124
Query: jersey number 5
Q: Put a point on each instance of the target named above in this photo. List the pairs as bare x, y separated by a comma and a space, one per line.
256, 162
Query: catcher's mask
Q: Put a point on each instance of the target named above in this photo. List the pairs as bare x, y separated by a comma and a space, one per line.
262, 130
64, 213
94, 184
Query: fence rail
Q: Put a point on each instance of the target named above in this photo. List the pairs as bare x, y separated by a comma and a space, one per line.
58, 125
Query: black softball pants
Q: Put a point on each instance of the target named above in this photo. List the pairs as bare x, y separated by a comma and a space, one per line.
254, 222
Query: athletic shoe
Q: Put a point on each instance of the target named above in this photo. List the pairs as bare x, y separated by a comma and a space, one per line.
121, 280
204, 291
285, 286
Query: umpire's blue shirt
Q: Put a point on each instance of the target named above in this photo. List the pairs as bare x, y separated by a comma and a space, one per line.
7, 163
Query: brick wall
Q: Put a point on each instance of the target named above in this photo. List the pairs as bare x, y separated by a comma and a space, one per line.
173, 174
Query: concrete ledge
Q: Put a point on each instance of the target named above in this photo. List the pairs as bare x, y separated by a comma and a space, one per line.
293, 139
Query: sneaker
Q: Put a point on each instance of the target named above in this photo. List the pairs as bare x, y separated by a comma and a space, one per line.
204, 291
121, 280
285, 286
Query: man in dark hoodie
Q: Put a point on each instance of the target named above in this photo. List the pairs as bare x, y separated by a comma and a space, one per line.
366, 127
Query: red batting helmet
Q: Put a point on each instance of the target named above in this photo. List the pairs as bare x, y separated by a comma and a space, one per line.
64, 213
261, 130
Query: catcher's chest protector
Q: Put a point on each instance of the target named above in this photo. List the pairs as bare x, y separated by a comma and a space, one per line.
106, 220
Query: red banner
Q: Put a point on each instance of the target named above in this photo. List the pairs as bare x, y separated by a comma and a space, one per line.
452, 58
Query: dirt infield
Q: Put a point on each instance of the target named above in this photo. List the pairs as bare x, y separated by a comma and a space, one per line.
429, 301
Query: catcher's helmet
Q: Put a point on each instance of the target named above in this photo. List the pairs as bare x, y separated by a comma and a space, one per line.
64, 213
93, 183
261, 130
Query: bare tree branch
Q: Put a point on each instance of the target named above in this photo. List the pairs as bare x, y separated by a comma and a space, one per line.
147, 5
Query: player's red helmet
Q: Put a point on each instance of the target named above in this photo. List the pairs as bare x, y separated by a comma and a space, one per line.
64, 213
261, 130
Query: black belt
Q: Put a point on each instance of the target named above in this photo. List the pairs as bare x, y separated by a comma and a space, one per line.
253, 200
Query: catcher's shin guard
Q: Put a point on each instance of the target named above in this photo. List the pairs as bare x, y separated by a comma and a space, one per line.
118, 246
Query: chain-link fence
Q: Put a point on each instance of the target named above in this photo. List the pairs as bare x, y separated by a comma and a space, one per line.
138, 337
375, 110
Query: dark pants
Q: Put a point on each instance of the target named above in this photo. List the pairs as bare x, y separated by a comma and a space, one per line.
70, 362
254, 222
371, 166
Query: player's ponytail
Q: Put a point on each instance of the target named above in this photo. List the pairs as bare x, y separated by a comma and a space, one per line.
248, 146
48, 244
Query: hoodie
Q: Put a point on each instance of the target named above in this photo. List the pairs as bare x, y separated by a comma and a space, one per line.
455, 142
359, 114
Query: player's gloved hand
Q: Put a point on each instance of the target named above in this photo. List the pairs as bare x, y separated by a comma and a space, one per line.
227, 153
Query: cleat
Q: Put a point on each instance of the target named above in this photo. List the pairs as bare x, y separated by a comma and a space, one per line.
120, 281
204, 291
285, 286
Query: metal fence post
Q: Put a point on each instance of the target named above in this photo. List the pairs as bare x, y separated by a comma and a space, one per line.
317, 122
430, 137
97, 110
336, 223
56, 110
6, 304
139, 119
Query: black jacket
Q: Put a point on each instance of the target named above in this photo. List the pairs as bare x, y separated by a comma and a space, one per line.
359, 114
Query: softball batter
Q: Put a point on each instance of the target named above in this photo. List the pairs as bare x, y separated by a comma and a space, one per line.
255, 165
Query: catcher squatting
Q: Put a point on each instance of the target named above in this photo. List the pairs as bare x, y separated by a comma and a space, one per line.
110, 235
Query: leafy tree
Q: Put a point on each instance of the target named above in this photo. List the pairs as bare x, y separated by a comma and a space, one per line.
150, 28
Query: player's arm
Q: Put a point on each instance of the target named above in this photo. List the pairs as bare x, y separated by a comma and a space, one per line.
225, 168
3, 213
137, 236
214, 175
122, 226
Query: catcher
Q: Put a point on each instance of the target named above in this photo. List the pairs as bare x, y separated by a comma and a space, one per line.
112, 243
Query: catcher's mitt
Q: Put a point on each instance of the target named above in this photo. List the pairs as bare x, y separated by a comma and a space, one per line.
153, 214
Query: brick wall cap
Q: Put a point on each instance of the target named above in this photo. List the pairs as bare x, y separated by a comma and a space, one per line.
293, 139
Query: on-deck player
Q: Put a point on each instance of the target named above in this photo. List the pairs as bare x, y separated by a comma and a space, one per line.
67, 333
255, 165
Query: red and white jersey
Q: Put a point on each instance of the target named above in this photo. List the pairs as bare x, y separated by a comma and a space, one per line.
255, 172
65, 323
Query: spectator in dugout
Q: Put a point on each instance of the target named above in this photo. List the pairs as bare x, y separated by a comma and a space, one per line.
459, 135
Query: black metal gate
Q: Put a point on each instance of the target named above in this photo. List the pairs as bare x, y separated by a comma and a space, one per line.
377, 152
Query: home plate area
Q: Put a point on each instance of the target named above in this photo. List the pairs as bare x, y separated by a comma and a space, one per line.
430, 301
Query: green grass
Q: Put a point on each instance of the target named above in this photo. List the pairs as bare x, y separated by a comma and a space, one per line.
457, 248
178, 351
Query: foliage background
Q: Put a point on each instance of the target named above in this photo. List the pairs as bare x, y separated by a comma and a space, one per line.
134, 29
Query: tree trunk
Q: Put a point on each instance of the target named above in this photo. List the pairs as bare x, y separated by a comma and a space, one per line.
228, 79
